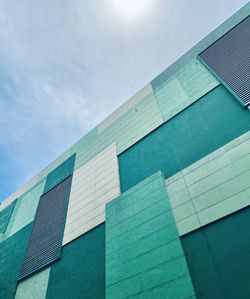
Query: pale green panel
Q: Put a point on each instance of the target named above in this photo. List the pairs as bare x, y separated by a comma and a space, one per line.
171, 96
12, 219
144, 255
145, 91
25, 209
213, 187
34, 287
188, 85
133, 125
143, 119
5, 217
196, 80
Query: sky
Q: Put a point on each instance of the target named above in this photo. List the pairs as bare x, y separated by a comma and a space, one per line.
65, 65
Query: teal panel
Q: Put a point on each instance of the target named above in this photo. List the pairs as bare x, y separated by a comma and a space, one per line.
80, 273
144, 256
218, 256
60, 173
11, 257
208, 124
5, 216
34, 287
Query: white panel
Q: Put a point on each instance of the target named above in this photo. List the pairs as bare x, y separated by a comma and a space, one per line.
213, 187
93, 185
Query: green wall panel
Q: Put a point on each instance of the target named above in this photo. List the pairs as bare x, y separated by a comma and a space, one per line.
25, 209
205, 126
213, 187
11, 257
5, 217
185, 87
144, 256
34, 287
218, 256
80, 273
60, 173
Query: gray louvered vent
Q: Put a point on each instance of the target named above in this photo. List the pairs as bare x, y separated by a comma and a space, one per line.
229, 58
46, 238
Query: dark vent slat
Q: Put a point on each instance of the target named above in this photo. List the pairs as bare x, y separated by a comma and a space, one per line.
229, 59
46, 238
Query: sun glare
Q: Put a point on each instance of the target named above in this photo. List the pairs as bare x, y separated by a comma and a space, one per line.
131, 9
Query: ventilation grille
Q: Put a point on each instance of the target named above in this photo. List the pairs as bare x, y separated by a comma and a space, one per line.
229, 59
46, 238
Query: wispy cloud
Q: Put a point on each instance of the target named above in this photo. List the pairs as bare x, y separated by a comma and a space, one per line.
65, 65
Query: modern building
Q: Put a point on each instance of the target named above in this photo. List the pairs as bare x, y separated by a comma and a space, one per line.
153, 203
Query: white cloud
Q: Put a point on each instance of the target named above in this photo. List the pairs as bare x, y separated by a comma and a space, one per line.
66, 64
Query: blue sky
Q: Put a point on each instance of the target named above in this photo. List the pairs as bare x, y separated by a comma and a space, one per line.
67, 64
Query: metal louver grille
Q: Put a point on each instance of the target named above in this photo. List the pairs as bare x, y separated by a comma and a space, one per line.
46, 238
229, 59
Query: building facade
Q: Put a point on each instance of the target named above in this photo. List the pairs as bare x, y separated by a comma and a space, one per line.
154, 201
